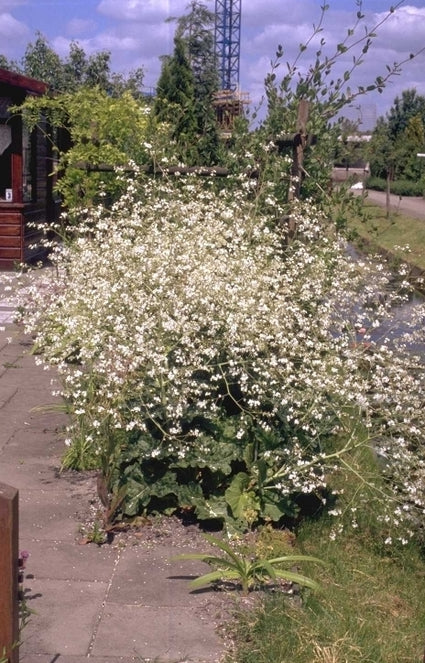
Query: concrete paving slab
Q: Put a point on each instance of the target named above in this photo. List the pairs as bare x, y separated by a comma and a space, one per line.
9, 347
6, 395
11, 355
40, 446
26, 476
49, 522
61, 561
18, 409
152, 578
151, 633
36, 393
6, 316
60, 658
67, 613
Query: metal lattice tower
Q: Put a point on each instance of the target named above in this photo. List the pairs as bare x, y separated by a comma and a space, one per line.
228, 41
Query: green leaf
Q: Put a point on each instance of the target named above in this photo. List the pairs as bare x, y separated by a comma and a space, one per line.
274, 508
204, 557
296, 558
214, 576
297, 578
264, 565
222, 545
240, 499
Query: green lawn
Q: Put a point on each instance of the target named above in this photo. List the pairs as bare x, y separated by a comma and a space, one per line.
390, 233
371, 608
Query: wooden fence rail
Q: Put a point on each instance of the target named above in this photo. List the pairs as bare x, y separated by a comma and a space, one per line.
9, 543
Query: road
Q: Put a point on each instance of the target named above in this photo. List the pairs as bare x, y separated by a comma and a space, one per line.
409, 205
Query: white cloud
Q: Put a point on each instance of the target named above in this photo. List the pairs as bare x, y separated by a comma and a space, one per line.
14, 32
102, 42
404, 32
256, 13
143, 11
79, 26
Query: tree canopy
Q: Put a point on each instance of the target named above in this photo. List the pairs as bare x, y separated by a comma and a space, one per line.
398, 137
75, 71
186, 87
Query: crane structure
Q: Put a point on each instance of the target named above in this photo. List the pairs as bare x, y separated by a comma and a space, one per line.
228, 42
229, 101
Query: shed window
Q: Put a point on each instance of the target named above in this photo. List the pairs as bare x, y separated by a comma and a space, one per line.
5, 159
28, 174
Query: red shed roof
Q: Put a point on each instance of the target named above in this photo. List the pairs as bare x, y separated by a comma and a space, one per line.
23, 82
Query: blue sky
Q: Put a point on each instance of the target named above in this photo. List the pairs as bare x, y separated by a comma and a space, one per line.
136, 33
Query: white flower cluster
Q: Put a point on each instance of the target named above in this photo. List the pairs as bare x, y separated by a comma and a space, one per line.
183, 297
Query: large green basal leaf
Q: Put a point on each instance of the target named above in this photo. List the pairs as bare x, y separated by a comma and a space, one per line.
240, 498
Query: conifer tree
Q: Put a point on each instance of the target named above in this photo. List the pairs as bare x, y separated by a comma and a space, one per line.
175, 101
196, 28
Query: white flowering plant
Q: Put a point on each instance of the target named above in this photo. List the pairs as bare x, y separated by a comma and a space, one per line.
209, 366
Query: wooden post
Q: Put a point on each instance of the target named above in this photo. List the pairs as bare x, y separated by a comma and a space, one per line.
9, 543
298, 141
299, 145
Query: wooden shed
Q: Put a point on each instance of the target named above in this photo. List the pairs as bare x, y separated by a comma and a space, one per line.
26, 182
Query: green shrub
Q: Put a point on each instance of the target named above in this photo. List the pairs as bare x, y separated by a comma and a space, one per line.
398, 187
211, 366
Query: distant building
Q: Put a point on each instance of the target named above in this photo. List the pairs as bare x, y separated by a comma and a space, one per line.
26, 182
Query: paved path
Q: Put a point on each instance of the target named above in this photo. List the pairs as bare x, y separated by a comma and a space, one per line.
7, 306
410, 205
127, 601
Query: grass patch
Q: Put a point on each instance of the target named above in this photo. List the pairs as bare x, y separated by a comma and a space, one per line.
385, 233
371, 608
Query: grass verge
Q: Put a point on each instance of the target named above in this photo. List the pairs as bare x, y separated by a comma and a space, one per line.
398, 230
371, 608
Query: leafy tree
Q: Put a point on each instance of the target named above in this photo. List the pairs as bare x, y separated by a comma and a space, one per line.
132, 83
349, 152
41, 62
398, 137
384, 157
404, 108
82, 71
382, 151
411, 141
100, 130
188, 81
77, 70
10, 65
174, 103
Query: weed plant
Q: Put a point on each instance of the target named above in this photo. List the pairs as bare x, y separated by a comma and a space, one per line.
247, 570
